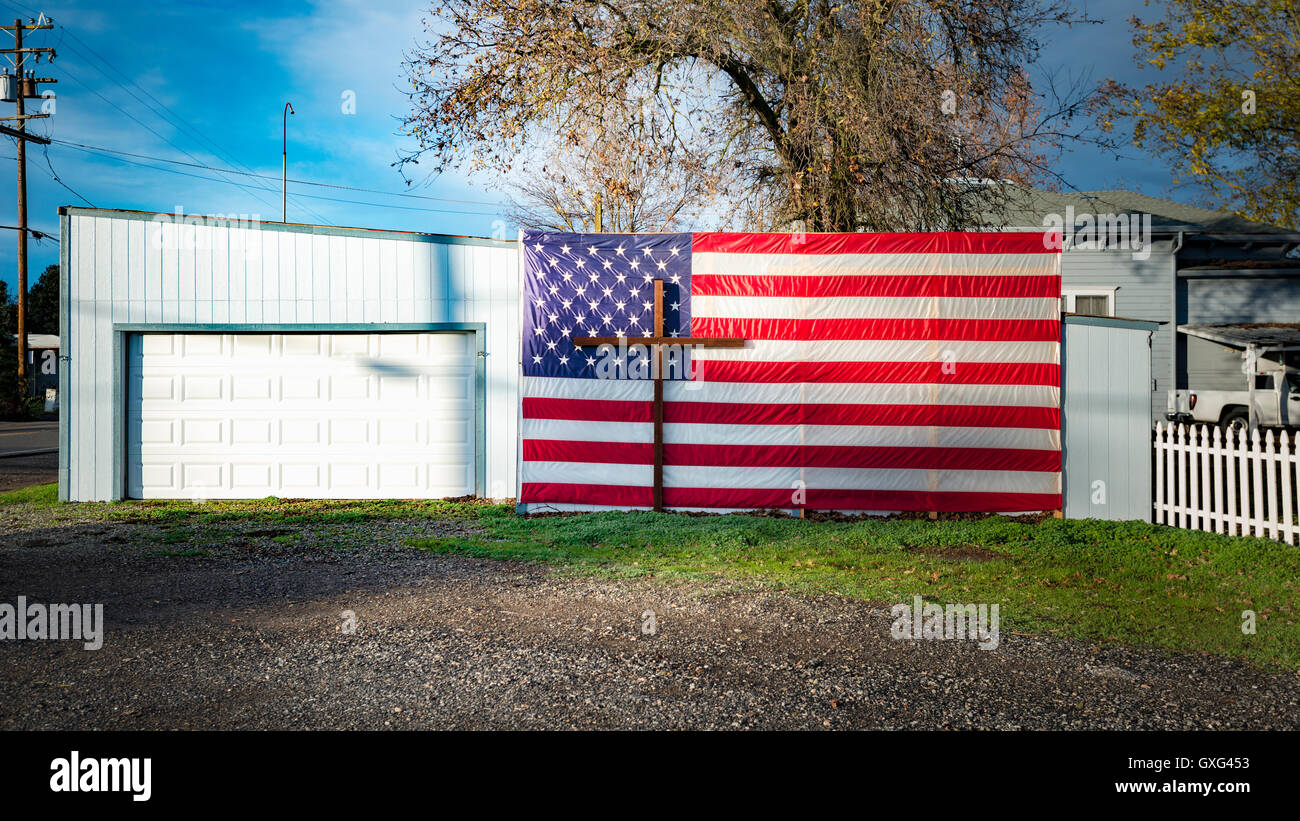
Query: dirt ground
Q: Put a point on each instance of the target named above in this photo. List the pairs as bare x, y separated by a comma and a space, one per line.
247, 633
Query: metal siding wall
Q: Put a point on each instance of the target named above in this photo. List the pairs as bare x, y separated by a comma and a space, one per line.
1107, 420
1241, 299
264, 275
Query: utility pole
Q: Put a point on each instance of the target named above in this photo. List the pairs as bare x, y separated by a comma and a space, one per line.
284, 162
23, 86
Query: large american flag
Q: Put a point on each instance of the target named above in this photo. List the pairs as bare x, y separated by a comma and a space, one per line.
881, 372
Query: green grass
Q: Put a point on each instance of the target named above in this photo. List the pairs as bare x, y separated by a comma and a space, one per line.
1104, 582
1107, 582
39, 495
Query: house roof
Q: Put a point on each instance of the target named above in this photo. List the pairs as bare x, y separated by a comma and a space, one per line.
1028, 206
1264, 334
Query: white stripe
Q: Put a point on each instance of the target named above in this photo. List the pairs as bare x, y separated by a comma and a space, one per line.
710, 262
875, 307
985, 481
881, 350
813, 435
621, 390
829, 393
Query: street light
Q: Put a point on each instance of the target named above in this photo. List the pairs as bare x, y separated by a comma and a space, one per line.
284, 161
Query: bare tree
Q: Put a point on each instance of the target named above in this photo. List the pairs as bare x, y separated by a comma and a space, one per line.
641, 181
872, 115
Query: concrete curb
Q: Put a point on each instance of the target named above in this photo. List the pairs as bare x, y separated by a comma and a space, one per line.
38, 452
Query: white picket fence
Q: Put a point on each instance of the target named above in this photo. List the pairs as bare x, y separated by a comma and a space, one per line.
1244, 485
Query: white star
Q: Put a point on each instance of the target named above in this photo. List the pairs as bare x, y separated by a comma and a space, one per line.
564, 248
537, 247
636, 263
645, 306
581, 262
620, 278
568, 276
608, 291
675, 250
591, 249
550, 346
606, 318
674, 333
647, 252
566, 303
662, 264
555, 289
539, 330
634, 292
676, 278
636, 321
675, 305
619, 249
564, 360
607, 263
537, 360
553, 318
564, 331
593, 303
591, 361
647, 277
619, 304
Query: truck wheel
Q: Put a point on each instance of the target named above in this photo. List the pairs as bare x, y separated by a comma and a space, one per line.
1237, 419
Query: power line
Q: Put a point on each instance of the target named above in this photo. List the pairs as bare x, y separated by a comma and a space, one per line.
161, 110
55, 176
270, 177
65, 31
229, 182
160, 136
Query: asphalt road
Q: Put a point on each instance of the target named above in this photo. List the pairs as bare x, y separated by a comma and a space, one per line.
39, 442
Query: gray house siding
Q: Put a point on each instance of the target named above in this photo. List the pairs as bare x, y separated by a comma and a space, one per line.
1243, 299
1227, 299
1143, 290
1211, 366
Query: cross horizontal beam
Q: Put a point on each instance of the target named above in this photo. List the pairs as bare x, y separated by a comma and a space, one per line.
701, 341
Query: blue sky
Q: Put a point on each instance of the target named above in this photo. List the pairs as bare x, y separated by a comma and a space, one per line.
208, 81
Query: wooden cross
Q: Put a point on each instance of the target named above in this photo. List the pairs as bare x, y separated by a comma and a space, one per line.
656, 343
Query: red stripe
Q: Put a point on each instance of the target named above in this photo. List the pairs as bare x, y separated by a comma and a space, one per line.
592, 410
726, 413
996, 242
812, 456
968, 330
963, 373
974, 286
747, 498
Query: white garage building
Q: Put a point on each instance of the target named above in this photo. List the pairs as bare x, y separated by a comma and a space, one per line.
210, 357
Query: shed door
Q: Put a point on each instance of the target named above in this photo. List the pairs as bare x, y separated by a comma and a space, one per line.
344, 415
1106, 422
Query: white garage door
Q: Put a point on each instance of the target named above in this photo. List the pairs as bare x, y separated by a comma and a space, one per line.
345, 416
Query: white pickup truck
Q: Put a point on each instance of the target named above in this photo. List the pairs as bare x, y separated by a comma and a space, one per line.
1277, 399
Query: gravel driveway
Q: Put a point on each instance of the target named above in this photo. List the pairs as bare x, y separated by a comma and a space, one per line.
248, 635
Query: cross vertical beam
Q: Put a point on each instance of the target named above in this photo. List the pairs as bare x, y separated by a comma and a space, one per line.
656, 344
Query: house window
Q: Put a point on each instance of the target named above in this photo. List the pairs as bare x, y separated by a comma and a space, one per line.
1092, 301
